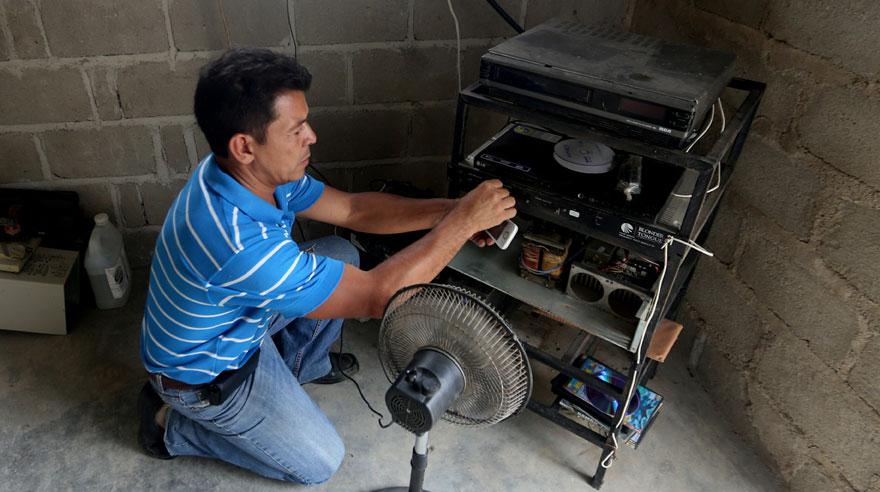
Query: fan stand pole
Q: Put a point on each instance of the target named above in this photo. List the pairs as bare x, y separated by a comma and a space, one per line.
419, 462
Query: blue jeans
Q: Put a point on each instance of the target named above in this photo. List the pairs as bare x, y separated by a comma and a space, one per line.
269, 425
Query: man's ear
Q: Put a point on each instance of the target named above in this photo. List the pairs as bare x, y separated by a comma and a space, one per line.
241, 147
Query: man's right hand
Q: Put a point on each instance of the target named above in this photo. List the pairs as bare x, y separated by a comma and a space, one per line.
486, 206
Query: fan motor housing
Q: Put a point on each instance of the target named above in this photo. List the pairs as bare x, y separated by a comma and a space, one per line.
424, 391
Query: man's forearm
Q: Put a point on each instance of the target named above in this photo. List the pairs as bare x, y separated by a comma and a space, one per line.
423, 260
383, 213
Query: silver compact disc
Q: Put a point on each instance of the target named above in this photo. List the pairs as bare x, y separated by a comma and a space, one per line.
583, 156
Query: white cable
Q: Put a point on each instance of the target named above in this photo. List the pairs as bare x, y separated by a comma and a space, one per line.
723, 126
706, 129
609, 460
692, 245
457, 43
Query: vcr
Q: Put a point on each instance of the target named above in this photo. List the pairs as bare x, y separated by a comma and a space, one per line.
621, 82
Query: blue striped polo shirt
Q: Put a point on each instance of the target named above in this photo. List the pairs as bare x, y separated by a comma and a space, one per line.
224, 264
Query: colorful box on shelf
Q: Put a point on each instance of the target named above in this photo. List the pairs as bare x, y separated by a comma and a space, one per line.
643, 408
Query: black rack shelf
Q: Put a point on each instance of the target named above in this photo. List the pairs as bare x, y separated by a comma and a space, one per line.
497, 269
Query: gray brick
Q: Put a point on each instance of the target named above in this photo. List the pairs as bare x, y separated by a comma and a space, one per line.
824, 407
587, 11
748, 12
432, 20
131, 205
407, 74
359, 135
665, 19
432, 130
841, 126
329, 82
263, 26
4, 48
850, 247
103, 81
792, 76
139, 246
94, 199
812, 477
470, 63
109, 151
104, 27
40, 95
863, 377
174, 149
762, 170
688, 316
197, 25
482, 124
19, 160
727, 384
155, 89
733, 323
353, 21
21, 17
725, 232
337, 177
202, 147
780, 440
844, 32
812, 310
157, 198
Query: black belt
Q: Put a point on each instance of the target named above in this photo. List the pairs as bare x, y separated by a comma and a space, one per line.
218, 390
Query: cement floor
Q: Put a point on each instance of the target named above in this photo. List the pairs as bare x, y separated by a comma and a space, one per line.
68, 421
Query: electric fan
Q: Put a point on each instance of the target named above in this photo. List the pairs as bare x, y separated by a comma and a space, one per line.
448, 355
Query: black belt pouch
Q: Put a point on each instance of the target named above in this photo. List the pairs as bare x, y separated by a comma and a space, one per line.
228, 381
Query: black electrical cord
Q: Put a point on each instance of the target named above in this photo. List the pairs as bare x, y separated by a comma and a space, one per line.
504, 15
321, 175
342, 332
364, 398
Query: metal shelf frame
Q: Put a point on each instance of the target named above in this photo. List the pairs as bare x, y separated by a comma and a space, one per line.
680, 259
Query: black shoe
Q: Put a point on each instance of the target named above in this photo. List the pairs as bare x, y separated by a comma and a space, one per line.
346, 361
151, 437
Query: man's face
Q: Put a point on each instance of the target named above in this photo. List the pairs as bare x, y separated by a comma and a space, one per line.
284, 156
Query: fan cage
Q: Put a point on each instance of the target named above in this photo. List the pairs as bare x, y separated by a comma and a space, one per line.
498, 378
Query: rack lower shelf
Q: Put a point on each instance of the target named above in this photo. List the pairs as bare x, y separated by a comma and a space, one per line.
498, 269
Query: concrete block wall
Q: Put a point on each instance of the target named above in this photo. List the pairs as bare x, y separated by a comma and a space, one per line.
97, 96
787, 312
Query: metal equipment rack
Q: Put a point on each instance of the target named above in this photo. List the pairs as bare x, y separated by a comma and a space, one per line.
680, 258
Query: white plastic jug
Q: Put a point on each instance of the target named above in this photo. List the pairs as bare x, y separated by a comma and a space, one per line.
107, 265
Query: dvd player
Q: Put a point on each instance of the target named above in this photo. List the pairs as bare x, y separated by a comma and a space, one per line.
622, 82
521, 155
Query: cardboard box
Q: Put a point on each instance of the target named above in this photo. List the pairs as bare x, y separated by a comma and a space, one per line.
41, 297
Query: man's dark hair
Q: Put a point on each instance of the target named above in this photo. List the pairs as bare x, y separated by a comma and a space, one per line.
236, 94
